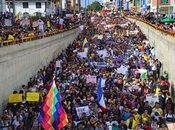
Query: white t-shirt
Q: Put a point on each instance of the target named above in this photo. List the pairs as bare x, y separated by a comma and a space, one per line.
16, 124
108, 124
103, 82
61, 21
169, 116
40, 24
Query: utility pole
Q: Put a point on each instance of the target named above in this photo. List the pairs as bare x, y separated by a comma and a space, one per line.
85, 8
120, 6
136, 5
169, 8
14, 8
61, 8
157, 13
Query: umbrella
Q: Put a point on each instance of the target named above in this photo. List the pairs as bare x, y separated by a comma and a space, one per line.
130, 39
125, 36
168, 20
118, 59
108, 42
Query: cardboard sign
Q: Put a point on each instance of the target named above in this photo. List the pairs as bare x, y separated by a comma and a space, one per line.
92, 79
35, 24
81, 110
125, 32
152, 98
32, 96
171, 126
82, 54
26, 22
58, 64
13, 98
100, 37
102, 52
8, 22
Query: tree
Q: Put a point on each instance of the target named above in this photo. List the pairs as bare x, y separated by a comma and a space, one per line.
96, 6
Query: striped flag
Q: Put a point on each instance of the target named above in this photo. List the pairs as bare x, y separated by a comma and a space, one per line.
85, 44
100, 98
52, 115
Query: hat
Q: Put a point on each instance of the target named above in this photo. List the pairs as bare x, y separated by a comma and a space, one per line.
98, 123
163, 82
135, 109
155, 120
144, 119
110, 117
40, 20
158, 84
22, 105
70, 117
115, 122
131, 115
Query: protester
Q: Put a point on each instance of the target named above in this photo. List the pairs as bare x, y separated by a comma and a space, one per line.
126, 66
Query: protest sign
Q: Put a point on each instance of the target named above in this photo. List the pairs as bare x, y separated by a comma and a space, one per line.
48, 24
85, 49
82, 54
133, 32
152, 98
100, 37
102, 64
122, 70
171, 126
81, 27
69, 15
13, 98
92, 79
25, 22
8, 22
84, 109
32, 96
58, 64
92, 19
102, 52
143, 72
35, 24
125, 32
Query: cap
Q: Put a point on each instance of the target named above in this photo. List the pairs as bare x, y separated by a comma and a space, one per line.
110, 117
131, 115
155, 119
144, 119
163, 82
98, 123
70, 117
135, 109
115, 122
158, 84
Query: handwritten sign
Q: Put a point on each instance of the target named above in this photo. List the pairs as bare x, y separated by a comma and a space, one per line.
152, 99
25, 22
8, 22
171, 126
58, 64
13, 98
91, 79
84, 109
35, 24
32, 96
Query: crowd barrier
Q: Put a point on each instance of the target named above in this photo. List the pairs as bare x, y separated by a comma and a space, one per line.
34, 37
154, 26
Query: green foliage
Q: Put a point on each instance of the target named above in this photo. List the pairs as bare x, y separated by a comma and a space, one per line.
95, 6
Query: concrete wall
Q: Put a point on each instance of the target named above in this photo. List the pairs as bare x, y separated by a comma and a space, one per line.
164, 50
20, 62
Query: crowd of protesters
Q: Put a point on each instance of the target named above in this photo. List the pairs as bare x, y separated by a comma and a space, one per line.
152, 18
18, 30
124, 94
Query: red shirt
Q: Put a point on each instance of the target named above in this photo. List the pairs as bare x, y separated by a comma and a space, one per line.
148, 128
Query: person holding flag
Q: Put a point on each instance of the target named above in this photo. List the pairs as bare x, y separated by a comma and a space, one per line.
85, 43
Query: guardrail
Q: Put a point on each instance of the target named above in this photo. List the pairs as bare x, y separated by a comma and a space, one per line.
154, 26
34, 37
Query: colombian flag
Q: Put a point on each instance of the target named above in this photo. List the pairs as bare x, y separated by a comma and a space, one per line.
95, 37
114, 34
85, 44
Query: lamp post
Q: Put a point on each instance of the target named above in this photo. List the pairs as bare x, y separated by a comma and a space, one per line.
85, 8
157, 13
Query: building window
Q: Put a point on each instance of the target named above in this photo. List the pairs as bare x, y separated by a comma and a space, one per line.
11, 5
164, 1
25, 4
38, 4
149, 1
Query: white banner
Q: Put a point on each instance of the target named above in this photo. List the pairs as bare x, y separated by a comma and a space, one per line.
69, 15
81, 27
84, 109
102, 64
82, 54
102, 52
58, 64
122, 70
91, 79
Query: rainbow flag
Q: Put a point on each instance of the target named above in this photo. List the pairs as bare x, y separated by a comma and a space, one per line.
85, 43
95, 37
52, 115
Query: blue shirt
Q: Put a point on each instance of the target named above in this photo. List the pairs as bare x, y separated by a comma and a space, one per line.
126, 116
